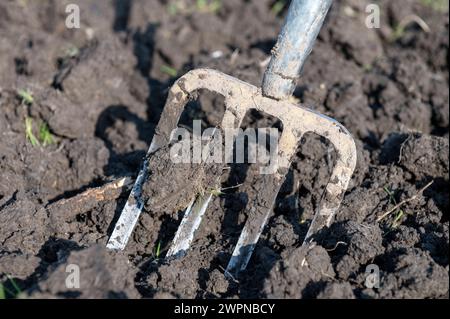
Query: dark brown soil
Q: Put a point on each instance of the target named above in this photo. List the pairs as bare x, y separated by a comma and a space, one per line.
101, 90
171, 186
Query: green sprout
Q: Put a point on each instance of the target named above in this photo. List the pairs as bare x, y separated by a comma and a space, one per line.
367, 67
216, 192
13, 283
397, 219
205, 6
45, 137
390, 194
208, 6
158, 250
26, 96
4, 290
29, 132
398, 32
169, 70
399, 214
44, 134
72, 51
278, 7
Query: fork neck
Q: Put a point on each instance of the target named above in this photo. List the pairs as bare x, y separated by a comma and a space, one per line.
295, 41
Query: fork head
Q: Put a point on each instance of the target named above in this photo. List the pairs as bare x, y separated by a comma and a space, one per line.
240, 97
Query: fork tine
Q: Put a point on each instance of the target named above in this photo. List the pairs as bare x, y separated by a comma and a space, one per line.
334, 192
262, 208
257, 217
130, 214
340, 177
189, 224
193, 215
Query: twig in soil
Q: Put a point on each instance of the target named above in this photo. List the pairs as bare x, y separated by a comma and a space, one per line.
337, 245
219, 191
392, 200
234, 56
304, 262
89, 198
59, 149
229, 275
414, 18
400, 29
403, 202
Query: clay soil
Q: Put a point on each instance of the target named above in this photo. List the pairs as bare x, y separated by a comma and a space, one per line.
100, 90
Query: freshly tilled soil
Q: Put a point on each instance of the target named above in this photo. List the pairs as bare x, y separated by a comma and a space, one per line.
101, 89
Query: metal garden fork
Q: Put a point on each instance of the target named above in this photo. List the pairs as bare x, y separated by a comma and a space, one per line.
295, 42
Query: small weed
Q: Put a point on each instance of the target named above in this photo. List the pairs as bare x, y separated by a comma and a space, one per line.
26, 96
398, 32
216, 192
13, 283
390, 194
158, 250
396, 209
44, 138
4, 290
29, 132
208, 6
219, 191
205, 6
399, 214
278, 7
367, 67
44, 134
169, 70
397, 219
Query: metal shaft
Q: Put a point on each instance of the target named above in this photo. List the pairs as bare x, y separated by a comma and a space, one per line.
295, 42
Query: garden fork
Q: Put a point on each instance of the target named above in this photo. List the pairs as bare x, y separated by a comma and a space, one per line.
303, 22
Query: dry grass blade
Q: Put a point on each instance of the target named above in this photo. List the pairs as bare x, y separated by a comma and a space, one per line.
414, 18
403, 202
